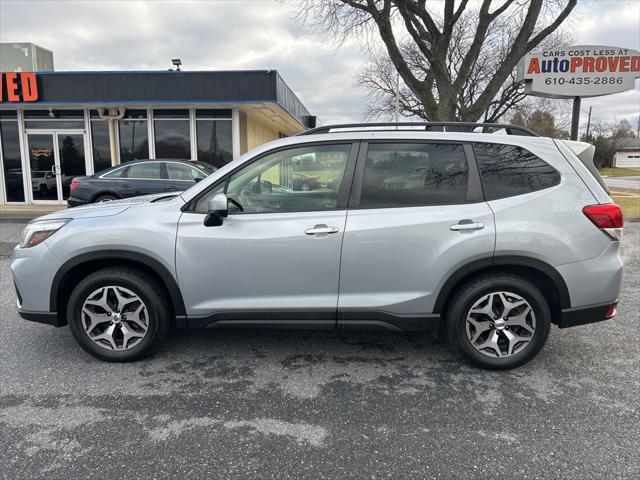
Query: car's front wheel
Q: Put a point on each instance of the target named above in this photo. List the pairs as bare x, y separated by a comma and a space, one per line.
118, 314
498, 321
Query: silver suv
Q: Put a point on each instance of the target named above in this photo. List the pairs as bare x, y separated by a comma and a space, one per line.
488, 238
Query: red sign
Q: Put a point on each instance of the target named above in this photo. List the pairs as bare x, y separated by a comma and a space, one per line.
18, 87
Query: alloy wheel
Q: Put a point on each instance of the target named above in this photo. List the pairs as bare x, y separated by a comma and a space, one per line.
500, 324
115, 318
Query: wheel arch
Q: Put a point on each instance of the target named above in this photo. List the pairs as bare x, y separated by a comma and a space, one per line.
543, 275
74, 270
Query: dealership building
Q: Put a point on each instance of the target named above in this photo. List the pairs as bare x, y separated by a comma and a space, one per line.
57, 125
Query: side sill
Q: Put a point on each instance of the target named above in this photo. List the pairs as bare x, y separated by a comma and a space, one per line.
372, 319
48, 318
573, 317
278, 319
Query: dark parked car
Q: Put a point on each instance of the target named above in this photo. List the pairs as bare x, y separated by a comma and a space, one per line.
137, 178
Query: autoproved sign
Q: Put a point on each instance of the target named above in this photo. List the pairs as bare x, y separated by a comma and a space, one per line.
580, 71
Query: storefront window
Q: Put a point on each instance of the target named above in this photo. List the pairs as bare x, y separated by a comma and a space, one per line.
134, 137
172, 133
11, 161
213, 129
100, 145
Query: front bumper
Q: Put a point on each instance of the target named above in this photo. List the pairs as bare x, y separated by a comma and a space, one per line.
33, 270
572, 317
49, 318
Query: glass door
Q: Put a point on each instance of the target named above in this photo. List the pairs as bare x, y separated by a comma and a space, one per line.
55, 159
42, 163
70, 160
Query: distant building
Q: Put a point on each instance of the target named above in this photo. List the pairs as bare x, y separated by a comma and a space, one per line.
25, 57
627, 152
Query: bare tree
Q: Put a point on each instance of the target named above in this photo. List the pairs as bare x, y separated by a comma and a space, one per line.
456, 63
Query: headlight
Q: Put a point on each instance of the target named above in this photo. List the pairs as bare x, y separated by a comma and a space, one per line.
37, 232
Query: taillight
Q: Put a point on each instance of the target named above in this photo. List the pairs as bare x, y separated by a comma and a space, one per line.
611, 312
74, 184
607, 217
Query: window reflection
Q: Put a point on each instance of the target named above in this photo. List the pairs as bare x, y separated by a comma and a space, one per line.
71, 150
11, 161
100, 145
172, 139
134, 138
507, 170
405, 175
214, 141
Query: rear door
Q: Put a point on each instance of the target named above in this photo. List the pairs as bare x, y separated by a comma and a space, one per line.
415, 216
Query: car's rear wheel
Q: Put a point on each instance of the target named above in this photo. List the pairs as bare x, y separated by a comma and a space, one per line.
498, 321
105, 198
118, 314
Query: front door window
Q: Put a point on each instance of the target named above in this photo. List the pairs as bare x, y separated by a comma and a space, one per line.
302, 179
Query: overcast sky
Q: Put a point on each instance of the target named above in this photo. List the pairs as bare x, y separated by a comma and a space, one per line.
257, 34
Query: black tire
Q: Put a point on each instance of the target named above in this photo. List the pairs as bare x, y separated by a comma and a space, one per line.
471, 292
146, 288
104, 198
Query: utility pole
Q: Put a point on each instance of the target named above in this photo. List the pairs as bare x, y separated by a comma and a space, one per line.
589, 123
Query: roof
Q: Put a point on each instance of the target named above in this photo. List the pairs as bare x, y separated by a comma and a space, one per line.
127, 88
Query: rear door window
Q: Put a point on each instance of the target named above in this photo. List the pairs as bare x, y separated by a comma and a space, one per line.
509, 170
410, 175
150, 170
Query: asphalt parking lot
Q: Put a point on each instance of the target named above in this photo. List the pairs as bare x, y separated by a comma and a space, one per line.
265, 404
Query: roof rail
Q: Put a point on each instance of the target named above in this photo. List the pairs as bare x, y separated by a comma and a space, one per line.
425, 126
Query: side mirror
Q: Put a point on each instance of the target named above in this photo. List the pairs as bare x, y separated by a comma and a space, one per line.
198, 179
217, 210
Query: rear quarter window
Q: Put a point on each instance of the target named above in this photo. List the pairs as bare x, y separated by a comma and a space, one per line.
509, 170
118, 173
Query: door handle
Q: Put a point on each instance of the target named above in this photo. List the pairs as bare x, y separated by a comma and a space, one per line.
320, 230
467, 225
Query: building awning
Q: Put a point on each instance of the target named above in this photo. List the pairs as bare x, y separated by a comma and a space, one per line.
182, 88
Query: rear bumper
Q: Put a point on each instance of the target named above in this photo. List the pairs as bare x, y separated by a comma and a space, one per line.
572, 317
76, 202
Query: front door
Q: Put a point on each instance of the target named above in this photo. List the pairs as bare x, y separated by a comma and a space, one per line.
54, 159
278, 260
